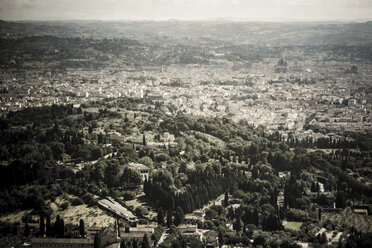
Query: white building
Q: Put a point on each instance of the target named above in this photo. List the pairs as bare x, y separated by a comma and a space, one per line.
142, 169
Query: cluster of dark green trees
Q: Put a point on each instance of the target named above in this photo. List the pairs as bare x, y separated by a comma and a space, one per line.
201, 187
56, 229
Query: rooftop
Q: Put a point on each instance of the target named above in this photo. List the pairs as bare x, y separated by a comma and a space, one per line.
60, 241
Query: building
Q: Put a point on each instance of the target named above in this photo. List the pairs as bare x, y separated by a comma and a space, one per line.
187, 230
281, 66
108, 236
142, 169
351, 102
130, 234
111, 237
195, 216
115, 136
58, 243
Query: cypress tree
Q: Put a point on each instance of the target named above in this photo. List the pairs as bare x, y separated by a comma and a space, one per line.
26, 233
57, 226
81, 228
255, 217
226, 200
96, 241
145, 242
62, 228
160, 217
220, 239
122, 244
169, 219
134, 243
237, 224
42, 226
48, 230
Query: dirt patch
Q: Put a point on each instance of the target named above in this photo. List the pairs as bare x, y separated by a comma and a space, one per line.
92, 216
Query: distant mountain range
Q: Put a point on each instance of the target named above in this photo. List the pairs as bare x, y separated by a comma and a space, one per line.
186, 32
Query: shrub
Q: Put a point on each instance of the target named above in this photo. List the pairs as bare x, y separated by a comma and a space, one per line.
65, 205
141, 211
77, 201
90, 200
297, 215
129, 195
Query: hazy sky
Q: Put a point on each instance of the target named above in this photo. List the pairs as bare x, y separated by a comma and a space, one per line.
185, 9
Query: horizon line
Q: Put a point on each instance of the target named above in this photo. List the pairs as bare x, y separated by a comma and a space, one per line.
223, 19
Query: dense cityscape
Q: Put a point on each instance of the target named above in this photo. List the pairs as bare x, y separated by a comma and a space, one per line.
185, 134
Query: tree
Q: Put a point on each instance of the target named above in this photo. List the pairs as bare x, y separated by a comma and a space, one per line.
97, 175
220, 239
112, 175
141, 211
144, 139
145, 242
62, 228
65, 205
81, 228
313, 187
292, 192
147, 161
160, 217
211, 214
322, 238
122, 244
130, 178
26, 233
226, 199
179, 216
100, 138
237, 225
47, 230
271, 223
42, 227
134, 243
96, 241
169, 219
96, 153
341, 200
59, 227
57, 149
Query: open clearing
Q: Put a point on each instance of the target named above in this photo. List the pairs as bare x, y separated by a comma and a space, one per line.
92, 216
292, 225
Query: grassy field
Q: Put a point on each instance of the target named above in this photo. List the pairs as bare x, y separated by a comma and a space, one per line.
292, 225
92, 216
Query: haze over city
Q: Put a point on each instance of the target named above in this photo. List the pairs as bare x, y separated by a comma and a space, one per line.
265, 10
